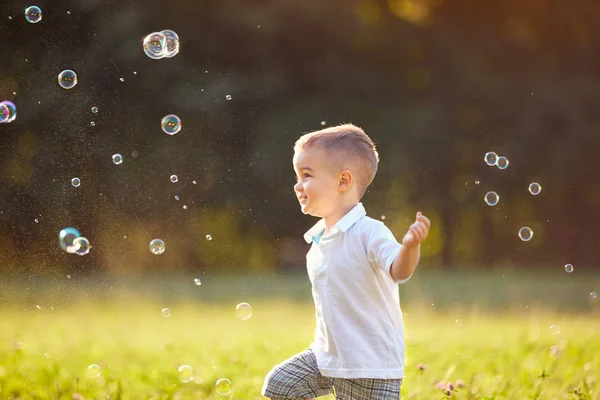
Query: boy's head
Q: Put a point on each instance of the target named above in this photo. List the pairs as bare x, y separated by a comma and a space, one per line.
342, 162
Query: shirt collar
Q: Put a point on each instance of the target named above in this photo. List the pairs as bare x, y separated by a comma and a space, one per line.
356, 213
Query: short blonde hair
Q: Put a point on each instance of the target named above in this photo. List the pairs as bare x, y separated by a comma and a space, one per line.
347, 147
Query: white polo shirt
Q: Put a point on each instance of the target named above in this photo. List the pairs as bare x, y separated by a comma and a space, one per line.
359, 331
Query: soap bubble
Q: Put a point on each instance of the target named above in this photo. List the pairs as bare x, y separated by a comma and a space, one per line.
66, 239
525, 233
174, 178
228, 97
94, 110
67, 79
208, 237
94, 370
76, 182
186, 373
33, 14
171, 124
166, 312
243, 311
171, 47
593, 295
569, 268
8, 111
491, 158
535, 188
555, 329
197, 281
154, 45
81, 245
117, 158
223, 386
157, 246
502, 163
491, 198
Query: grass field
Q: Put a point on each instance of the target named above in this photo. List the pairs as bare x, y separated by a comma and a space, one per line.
486, 352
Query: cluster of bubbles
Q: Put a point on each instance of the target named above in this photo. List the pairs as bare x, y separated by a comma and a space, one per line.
33, 14
223, 385
67, 79
163, 44
8, 112
170, 124
71, 241
492, 159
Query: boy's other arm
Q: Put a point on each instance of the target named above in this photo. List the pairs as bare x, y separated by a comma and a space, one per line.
407, 259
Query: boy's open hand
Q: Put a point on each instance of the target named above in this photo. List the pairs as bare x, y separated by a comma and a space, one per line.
417, 232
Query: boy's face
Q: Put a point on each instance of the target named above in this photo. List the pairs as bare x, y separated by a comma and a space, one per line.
317, 185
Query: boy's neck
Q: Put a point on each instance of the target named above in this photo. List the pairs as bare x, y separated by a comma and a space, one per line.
333, 218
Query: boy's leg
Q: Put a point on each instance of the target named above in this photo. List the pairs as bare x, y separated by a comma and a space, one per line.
296, 378
367, 389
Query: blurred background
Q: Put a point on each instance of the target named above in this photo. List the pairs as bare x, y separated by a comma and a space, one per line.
435, 83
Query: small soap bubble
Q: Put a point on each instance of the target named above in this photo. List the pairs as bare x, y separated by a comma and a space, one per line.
36, 220
208, 237
593, 296
12, 111
502, 163
174, 179
94, 370
171, 47
38, 307
154, 45
243, 311
122, 79
171, 124
94, 110
117, 159
186, 373
323, 123
491, 158
477, 182
569, 268
197, 281
535, 188
176, 197
525, 233
81, 245
223, 387
166, 312
66, 239
157, 246
383, 217
491, 198
228, 97
458, 322
76, 182
555, 329
33, 14
92, 123
67, 79
194, 182
184, 207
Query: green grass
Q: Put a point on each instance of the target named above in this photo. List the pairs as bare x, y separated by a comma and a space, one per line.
498, 353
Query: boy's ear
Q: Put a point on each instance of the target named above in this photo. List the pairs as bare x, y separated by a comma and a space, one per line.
345, 181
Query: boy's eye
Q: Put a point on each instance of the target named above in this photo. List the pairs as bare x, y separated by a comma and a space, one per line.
306, 175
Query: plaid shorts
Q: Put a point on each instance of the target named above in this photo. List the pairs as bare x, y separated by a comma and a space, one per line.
299, 378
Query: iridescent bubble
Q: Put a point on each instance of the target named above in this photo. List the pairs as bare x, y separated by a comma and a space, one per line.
228, 97
176, 197
92, 123
458, 322
525, 233
166, 312
243, 311
171, 47
33, 14
94, 110
117, 158
491, 158
208, 237
66, 239
171, 124
76, 182
186, 373
12, 111
197, 281
223, 387
67, 79
82, 246
94, 370
535, 188
154, 45
491, 198
555, 329
174, 178
157, 246
569, 268
502, 163
593, 296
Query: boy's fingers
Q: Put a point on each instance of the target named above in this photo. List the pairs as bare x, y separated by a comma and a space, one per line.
425, 220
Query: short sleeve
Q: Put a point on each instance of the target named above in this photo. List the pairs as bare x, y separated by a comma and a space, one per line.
383, 248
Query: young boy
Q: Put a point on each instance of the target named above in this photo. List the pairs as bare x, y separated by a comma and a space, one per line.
354, 265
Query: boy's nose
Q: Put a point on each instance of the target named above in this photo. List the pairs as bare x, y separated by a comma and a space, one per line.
297, 187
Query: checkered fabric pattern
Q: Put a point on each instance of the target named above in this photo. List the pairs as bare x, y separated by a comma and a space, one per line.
299, 378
